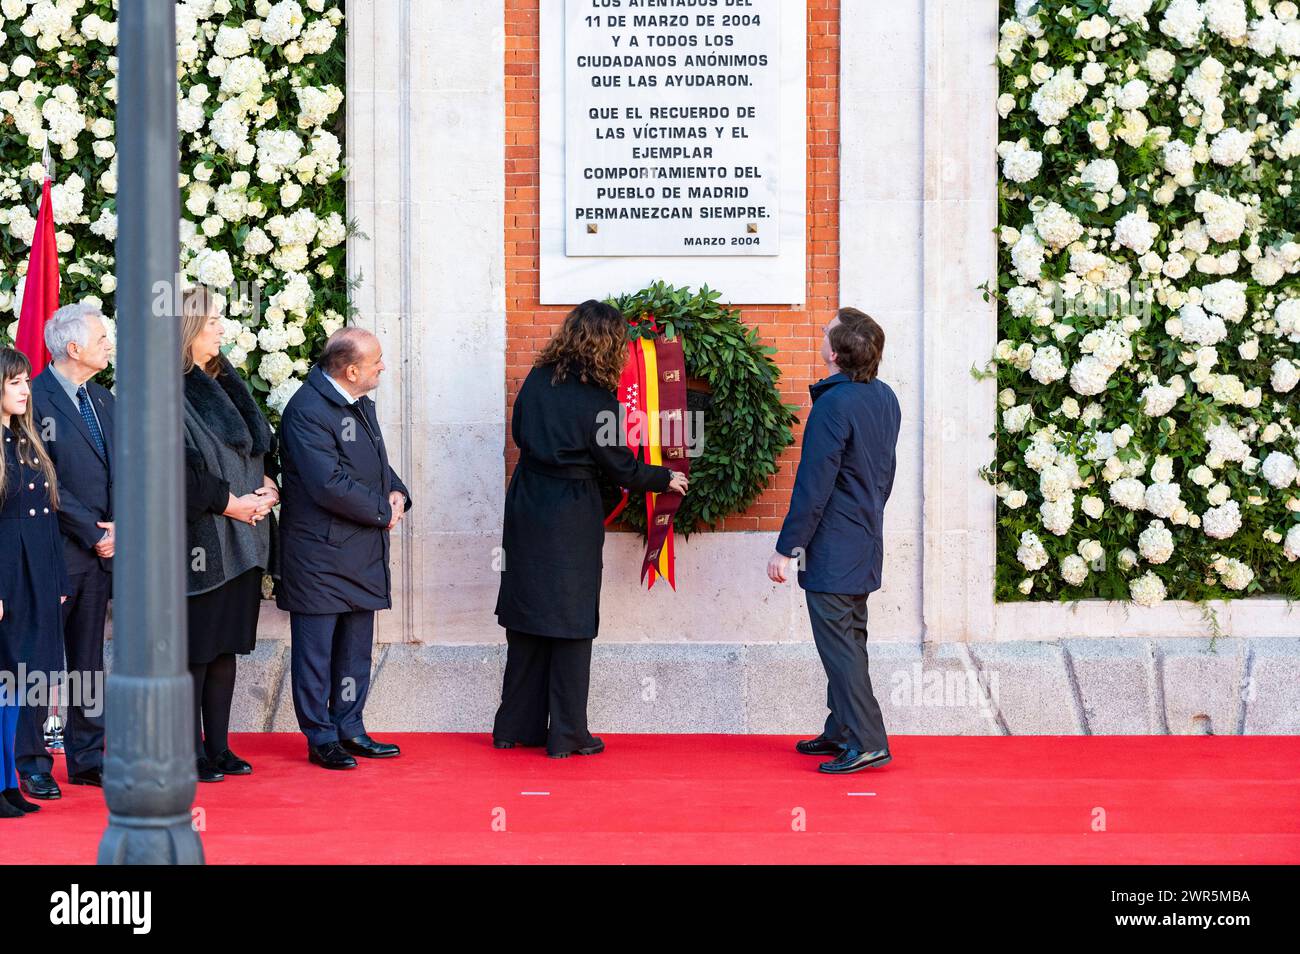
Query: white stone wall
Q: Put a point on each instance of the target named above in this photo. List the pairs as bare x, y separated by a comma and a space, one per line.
918, 130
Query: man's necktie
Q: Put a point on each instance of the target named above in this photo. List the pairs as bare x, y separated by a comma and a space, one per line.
88, 415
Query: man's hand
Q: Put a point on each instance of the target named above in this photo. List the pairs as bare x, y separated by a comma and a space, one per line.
679, 483
397, 501
107, 542
777, 567
2, 609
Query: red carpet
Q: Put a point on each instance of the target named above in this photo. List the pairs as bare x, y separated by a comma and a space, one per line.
701, 799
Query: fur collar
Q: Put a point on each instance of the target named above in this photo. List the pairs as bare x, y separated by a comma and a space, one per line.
225, 405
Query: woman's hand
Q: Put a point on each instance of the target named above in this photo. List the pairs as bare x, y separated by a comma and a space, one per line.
248, 509
269, 491
680, 483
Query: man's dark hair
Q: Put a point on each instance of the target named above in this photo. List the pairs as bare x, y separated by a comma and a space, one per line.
858, 343
342, 349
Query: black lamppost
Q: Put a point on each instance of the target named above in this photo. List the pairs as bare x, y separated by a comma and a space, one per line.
149, 765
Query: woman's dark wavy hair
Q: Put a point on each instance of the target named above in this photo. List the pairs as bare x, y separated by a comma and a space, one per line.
591, 345
858, 343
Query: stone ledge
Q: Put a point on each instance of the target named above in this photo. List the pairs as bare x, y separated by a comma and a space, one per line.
1071, 687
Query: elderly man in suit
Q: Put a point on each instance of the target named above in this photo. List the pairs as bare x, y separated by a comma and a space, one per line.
75, 418
340, 499
835, 525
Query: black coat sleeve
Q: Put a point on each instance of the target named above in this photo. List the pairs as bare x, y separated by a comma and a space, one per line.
205, 492
619, 463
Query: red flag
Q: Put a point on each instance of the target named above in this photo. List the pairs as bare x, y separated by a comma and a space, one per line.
41, 292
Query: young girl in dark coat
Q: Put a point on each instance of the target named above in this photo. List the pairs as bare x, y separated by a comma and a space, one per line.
33, 578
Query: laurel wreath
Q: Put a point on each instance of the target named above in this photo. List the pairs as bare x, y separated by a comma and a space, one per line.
732, 380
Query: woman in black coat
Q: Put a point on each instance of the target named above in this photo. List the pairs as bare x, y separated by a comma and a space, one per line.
33, 578
554, 530
228, 494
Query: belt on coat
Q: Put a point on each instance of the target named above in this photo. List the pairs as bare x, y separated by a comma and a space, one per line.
563, 471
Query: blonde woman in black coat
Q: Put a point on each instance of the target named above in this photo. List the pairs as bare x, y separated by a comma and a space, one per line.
554, 532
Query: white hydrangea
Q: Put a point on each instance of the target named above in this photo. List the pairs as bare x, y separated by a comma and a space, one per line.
283, 23
1234, 574
1129, 11
1224, 217
1047, 365
1197, 326
231, 42
1015, 418
1227, 18
1133, 94
1054, 99
1158, 400
1226, 298
275, 368
1021, 164
1223, 521
1031, 553
279, 397
1101, 174
1147, 589
1231, 147
1183, 21
212, 267
1285, 375
1136, 231
1057, 226
1225, 443
1156, 543
1027, 256
1279, 469
1074, 570
1129, 493
1291, 548
1058, 515
1160, 65
1163, 498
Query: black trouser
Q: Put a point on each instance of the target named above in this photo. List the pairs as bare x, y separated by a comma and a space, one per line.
84, 614
545, 677
839, 626
214, 690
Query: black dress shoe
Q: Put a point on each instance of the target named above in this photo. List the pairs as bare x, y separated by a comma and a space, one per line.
594, 747
228, 763
91, 776
367, 747
512, 744
207, 771
330, 756
854, 760
41, 785
819, 746
15, 798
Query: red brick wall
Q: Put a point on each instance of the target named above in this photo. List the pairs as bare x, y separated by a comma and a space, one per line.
795, 332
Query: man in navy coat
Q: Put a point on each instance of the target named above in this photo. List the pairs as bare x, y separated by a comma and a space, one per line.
835, 530
75, 419
340, 499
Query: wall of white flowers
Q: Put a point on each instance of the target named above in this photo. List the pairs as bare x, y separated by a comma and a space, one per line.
1149, 300
260, 111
